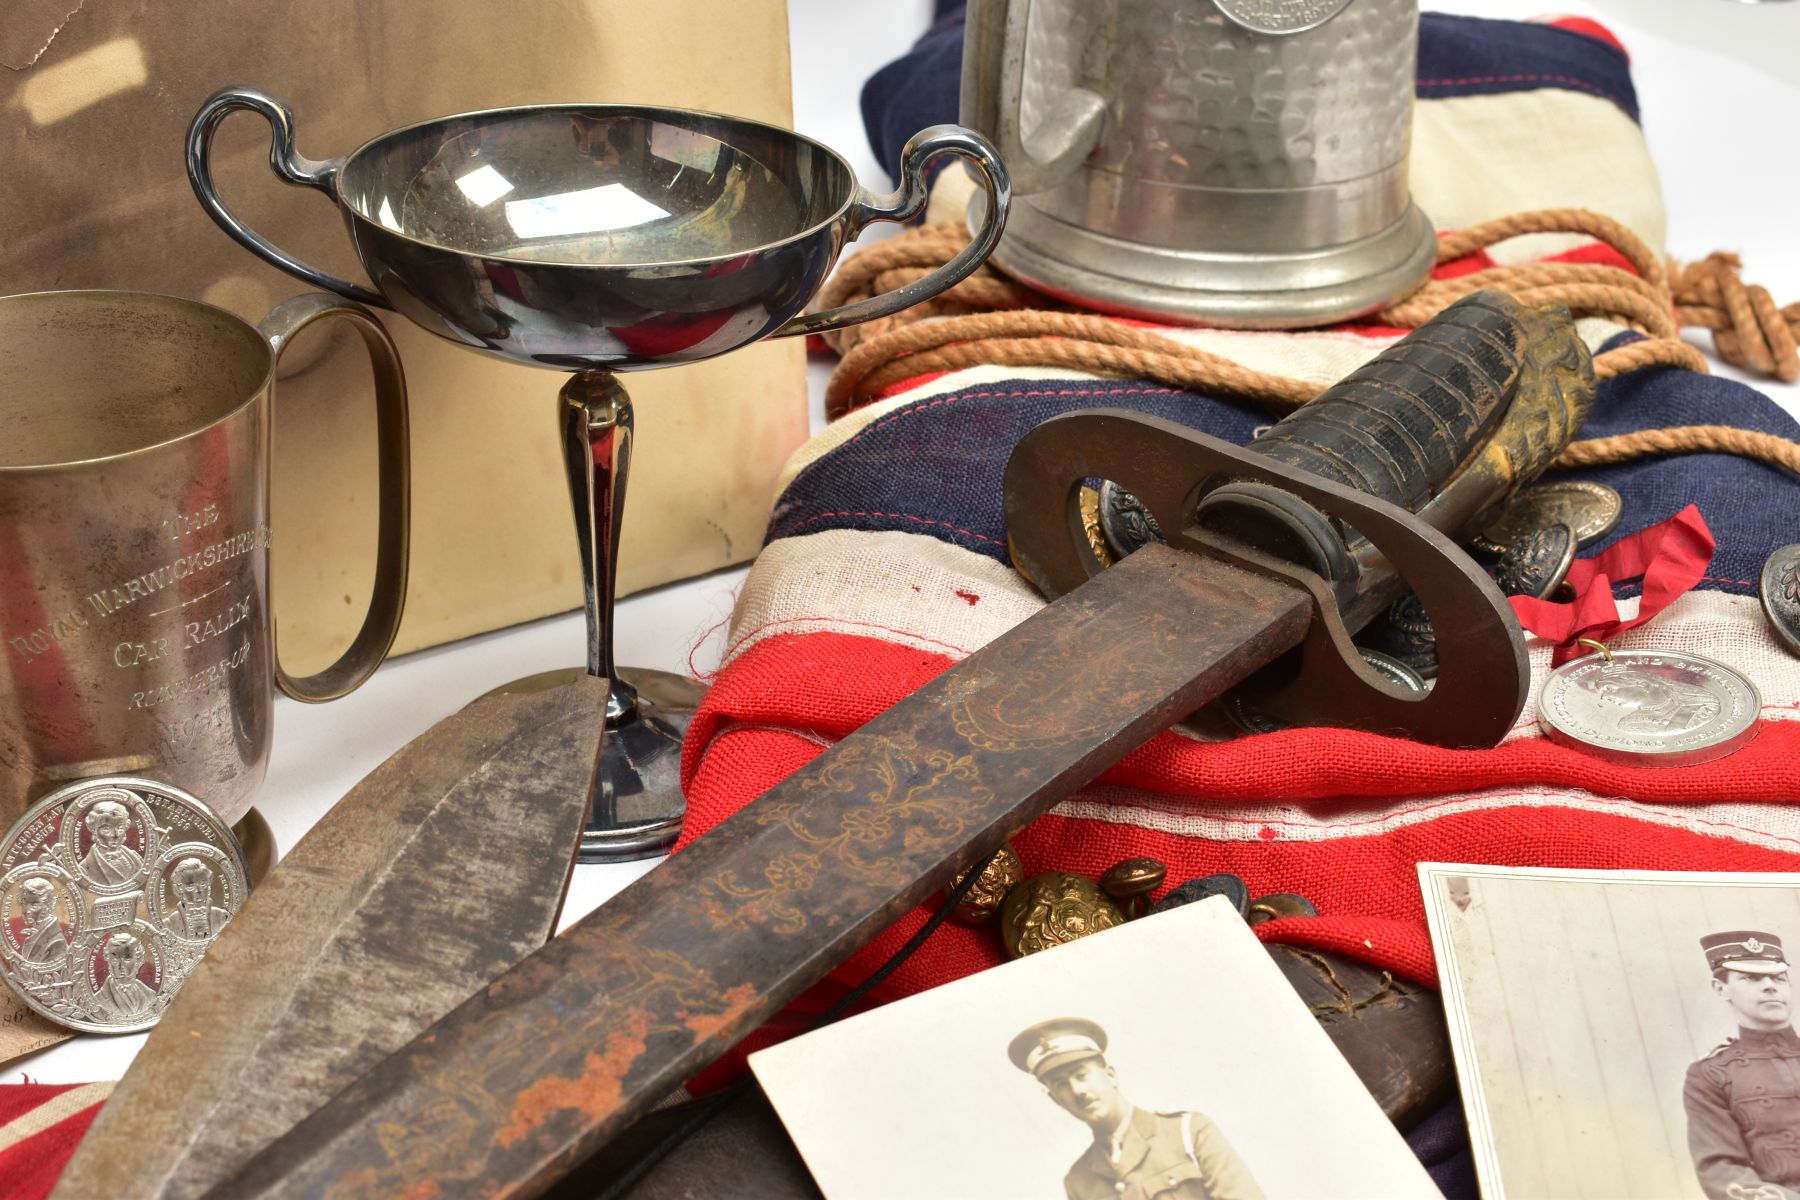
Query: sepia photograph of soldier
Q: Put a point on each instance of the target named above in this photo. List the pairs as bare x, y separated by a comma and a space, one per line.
1599, 1056
109, 860
1165, 1058
1742, 1098
1136, 1155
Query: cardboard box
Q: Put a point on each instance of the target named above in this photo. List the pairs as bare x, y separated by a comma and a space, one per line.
94, 111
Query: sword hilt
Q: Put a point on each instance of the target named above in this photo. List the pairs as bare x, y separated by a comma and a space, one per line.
1449, 421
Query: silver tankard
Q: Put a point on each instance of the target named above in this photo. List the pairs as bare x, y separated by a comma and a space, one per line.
1227, 162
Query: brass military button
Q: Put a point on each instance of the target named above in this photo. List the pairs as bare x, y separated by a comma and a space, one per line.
981, 903
1130, 883
1781, 594
1536, 564
1050, 909
1279, 904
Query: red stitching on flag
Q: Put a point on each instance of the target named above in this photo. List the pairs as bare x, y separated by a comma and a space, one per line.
872, 426
1739, 582
900, 517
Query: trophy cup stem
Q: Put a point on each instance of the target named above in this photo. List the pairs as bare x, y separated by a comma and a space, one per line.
597, 429
637, 803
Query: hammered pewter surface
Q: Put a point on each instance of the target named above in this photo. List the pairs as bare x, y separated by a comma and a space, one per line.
1195, 100
431, 876
1649, 707
1239, 177
1536, 564
1590, 509
110, 891
1781, 594
1124, 521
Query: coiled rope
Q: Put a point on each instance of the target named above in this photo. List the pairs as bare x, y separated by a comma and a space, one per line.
990, 319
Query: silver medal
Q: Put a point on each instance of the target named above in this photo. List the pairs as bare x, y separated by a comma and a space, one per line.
1781, 594
110, 891
1590, 509
1649, 708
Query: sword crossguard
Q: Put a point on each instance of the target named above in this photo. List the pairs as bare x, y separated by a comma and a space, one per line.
1482, 678
1346, 499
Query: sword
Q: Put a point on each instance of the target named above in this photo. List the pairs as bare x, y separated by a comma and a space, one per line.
1275, 552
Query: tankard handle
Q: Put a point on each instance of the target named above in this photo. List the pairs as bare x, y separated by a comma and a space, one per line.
906, 202
387, 601
993, 82
289, 165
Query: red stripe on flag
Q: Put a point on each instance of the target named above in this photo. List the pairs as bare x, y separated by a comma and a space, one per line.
29, 1169
830, 684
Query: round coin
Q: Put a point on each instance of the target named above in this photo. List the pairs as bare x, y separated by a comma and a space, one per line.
1405, 633
1781, 594
1649, 708
1281, 16
110, 891
1537, 563
1590, 509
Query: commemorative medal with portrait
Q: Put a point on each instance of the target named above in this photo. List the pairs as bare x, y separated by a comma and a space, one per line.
110, 891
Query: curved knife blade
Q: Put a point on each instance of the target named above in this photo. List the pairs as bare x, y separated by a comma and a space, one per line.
381, 920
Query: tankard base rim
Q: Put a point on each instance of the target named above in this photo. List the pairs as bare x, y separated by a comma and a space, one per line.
1218, 288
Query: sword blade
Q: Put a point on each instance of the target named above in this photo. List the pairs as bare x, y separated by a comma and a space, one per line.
378, 922
506, 1093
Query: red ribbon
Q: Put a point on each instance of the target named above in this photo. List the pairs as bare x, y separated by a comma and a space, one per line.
1671, 556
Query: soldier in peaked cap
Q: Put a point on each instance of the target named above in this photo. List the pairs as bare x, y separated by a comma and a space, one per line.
1743, 1099
1136, 1154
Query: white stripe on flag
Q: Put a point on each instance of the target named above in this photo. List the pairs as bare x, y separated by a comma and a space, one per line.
55, 1110
1775, 826
914, 590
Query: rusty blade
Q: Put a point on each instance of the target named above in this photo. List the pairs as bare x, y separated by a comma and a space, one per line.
507, 1092
436, 873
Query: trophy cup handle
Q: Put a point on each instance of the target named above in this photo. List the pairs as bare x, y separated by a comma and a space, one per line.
907, 201
289, 166
387, 599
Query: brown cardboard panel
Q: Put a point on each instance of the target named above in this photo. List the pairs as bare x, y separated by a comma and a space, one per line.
92, 126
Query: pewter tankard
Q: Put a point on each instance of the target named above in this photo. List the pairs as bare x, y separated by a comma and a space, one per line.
1226, 162
135, 630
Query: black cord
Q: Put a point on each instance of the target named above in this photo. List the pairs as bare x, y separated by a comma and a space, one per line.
708, 1107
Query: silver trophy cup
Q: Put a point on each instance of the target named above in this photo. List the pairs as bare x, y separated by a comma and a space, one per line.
596, 239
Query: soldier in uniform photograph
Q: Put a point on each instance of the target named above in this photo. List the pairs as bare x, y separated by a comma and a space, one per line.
1742, 1099
1137, 1155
